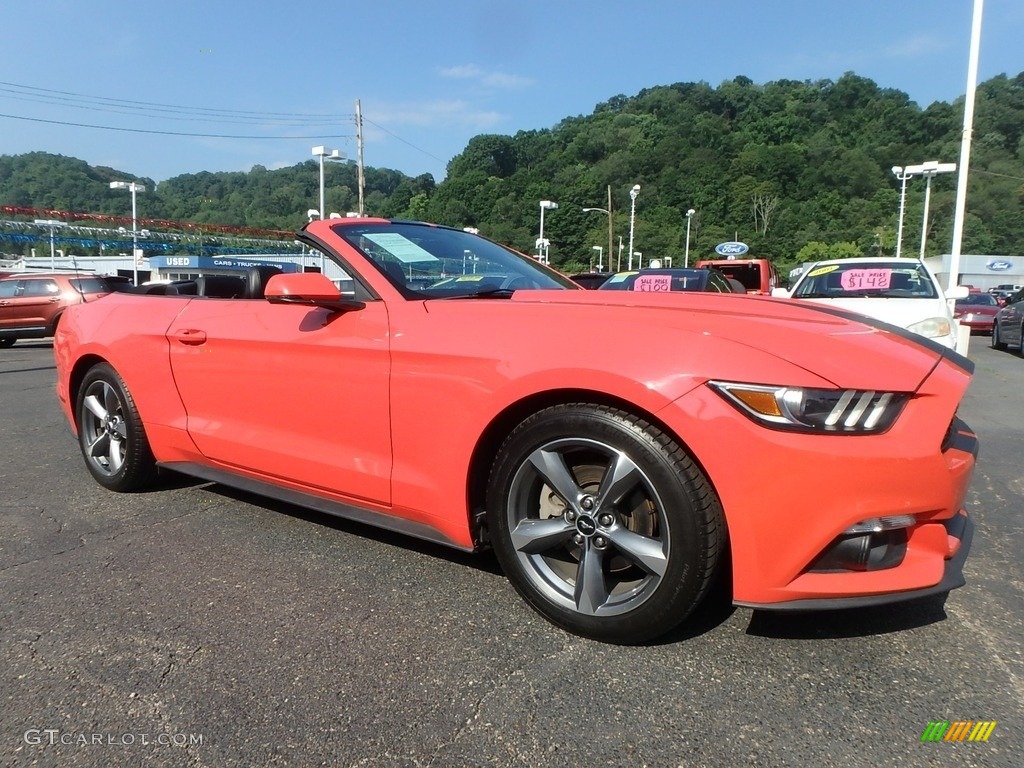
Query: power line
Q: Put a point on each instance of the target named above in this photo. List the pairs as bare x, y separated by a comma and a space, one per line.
396, 136
993, 173
148, 113
71, 99
173, 107
170, 133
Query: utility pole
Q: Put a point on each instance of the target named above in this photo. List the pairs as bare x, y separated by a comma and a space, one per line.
359, 155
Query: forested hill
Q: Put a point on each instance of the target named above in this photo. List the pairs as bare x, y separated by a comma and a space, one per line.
778, 165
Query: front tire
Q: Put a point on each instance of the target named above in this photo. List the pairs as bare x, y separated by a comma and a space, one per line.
110, 432
603, 523
6, 342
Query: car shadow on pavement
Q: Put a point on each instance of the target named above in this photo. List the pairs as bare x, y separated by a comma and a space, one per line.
713, 611
29, 370
483, 561
851, 622
167, 480
32, 344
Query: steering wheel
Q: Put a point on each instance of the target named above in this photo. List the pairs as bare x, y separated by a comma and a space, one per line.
518, 282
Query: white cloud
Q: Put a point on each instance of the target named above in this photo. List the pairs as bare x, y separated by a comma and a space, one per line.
483, 77
463, 72
918, 45
435, 113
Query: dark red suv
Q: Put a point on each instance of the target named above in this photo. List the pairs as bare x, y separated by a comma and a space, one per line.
31, 304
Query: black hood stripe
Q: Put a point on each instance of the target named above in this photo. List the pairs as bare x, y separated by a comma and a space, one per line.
960, 361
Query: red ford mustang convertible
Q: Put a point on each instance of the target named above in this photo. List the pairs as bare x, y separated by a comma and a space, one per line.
615, 449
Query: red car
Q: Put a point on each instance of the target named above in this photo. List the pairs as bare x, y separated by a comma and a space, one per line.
617, 450
977, 311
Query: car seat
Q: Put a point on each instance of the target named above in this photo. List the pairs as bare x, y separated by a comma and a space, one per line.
256, 279
221, 286
900, 281
393, 270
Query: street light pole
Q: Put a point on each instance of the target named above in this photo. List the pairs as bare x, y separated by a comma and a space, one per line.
52, 224
901, 174
600, 255
686, 256
965, 146
133, 188
542, 244
609, 227
607, 212
929, 170
632, 219
329, 154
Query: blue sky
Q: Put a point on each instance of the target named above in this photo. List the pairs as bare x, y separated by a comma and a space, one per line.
431, 75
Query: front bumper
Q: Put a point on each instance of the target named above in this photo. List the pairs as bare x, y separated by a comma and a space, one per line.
980, 323
788, 498
960, 532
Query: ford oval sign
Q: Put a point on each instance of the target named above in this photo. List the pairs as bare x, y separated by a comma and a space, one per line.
731, 250
998, 265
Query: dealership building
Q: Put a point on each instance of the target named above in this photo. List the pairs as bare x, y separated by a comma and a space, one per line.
983, 272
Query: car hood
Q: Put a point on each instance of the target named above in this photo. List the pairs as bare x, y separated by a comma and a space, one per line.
845, 349
901, 312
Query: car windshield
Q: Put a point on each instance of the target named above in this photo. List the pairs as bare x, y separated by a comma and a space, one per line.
982, 299
866, 280
429, 262
656, 280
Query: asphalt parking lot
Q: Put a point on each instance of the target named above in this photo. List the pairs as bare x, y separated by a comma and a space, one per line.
197, 626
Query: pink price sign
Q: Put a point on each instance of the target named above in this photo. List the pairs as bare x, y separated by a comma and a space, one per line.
653, 283
861, 279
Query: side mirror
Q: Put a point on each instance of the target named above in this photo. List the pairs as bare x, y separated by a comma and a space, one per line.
308, 289
958, 292
781, 293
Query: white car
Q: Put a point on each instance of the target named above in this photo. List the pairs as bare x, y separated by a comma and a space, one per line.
902, 292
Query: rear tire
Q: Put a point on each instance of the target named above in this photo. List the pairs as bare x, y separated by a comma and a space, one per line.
996, 343
110, 433
603, 523
7, 342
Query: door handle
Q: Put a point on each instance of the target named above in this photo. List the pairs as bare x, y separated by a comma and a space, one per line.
190, 336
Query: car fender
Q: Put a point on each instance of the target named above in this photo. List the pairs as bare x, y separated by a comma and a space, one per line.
492, 377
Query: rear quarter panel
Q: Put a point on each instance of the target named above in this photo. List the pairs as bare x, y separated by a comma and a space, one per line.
129, 333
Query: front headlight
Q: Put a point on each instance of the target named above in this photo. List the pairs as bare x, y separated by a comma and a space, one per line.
932, 328
843, 411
